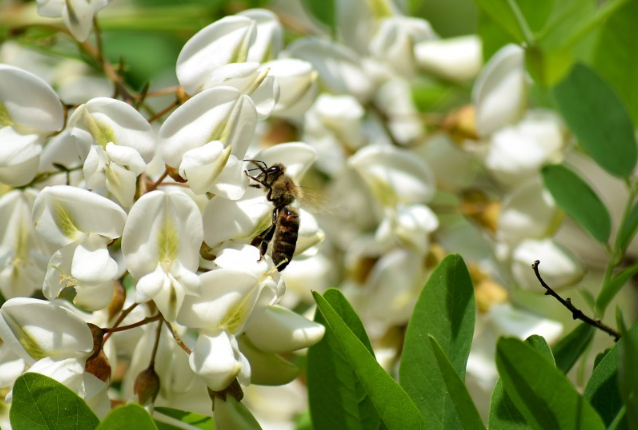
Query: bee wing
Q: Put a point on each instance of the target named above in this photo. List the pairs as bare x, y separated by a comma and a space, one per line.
317, 202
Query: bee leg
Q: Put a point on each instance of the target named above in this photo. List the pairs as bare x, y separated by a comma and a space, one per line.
263, 184
262, 240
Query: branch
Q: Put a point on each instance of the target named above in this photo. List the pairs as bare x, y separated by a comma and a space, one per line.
577, 314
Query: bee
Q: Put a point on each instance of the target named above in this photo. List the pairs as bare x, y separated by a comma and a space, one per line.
281, 191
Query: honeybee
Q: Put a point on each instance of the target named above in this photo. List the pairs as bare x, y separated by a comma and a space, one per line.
282, 191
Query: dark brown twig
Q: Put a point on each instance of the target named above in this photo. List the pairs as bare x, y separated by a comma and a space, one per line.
577, 314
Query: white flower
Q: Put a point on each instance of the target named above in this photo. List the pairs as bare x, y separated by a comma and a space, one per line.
394, 42
80, 225
456, 59
297, 86
77, 14
206, 139
394, 98
23, 255
558, 267
528, 211
500, 91
333, 128
270, 34
518, 151
119, 142
220, 49
161, 242
29, 110
409, 225
340, 68
279, 330
59, 351
229, 298
394, 175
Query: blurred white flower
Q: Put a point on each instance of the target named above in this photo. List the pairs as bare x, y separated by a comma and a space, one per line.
456, 59
269, 39
297, 86
518, 151
500, 91
559, 268
395, 40
340, 68
77, 14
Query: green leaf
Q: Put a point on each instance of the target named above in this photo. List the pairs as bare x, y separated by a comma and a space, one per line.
578, 200
616, 57
504, 16
611, 288
540, 345
628, 377
599, 119
629, 228
394, 406
445, 309
463, 404
542, 393
127, 417
503, 413
324, 11
602, 389
199, 421
336, 396
572, 346
40, 402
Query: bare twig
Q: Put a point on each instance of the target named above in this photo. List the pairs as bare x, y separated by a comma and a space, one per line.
577, 314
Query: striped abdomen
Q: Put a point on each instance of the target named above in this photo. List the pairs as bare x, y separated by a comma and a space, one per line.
285, 240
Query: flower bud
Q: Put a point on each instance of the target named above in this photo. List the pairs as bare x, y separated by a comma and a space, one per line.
147, 386
99, 366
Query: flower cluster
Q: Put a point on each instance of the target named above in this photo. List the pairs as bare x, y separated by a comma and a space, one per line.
138, 225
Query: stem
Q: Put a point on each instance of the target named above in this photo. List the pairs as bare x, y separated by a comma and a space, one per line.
522, 24
177, 338
123, 315
164, 111
158, 332
157, 183
577, 314
135, 325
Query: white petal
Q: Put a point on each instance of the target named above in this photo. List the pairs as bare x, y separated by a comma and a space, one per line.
103, 120
228, 298
457, 59
126, 156
394, 175
67, 371
63, 214
297, 86
162, 228
558, 266
26, 327
78, 17
95, 297
241, 219
121, 182
216, 359
528, 212
296, 156
201, 166
220, 113
338, 66
224, 41
232, 182
281, 330
92, 263
499, 94
29, 101
269, 38
510, 321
